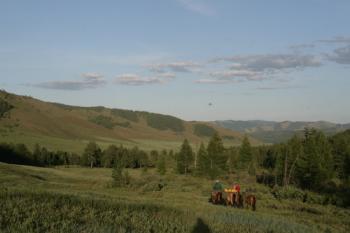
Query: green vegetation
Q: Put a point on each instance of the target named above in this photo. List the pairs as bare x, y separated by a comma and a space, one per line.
217, 157
70, 128
139, 185
77, 199
124, 124
126, 114
277, 132
163, 122
92, 155
245, 153
161, 164
4, 107
184, 158
203, 130
104, 121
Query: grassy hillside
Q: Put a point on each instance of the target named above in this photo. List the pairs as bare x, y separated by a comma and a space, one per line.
61, 199
27, 120
275, 132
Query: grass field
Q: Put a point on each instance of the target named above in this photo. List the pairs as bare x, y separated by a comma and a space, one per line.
78, 145
35, 199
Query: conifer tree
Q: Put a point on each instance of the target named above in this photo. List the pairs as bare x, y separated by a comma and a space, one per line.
161, 166
203, 163
184, 158
245, 153
216, 156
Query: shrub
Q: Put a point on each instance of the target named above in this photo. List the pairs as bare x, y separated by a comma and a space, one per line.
203, 130
4, 107
126, 114
104, 121
163, 122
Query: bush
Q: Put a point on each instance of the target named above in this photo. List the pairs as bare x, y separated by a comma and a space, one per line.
126, 114
288, 192
203, 130
4, 107
104, 121
163, 122
120, 178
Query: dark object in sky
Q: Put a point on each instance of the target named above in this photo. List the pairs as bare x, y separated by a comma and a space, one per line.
210, 104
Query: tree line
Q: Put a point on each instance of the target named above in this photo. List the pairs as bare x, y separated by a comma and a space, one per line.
92, 156
311, 162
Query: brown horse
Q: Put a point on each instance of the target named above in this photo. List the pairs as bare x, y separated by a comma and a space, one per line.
250, 200
234, 199
216, 197
239, 200
230, 199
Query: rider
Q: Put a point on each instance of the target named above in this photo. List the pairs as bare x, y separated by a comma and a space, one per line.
237, 187
217, 187
238, 196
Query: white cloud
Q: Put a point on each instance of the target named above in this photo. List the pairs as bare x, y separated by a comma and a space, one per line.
198, 7
90, 80
167, 75
137, 80
271, 62
183, 66
211, 81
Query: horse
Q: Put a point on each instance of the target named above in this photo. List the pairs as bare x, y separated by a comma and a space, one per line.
230, 198
234, 199
239, 200
250, 200
216, 197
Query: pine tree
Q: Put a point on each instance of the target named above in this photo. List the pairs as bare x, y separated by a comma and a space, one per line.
161, 166
202, 161
184, 158
251, 169
216, 156
315, 166
232, 159
245, 153
289, 155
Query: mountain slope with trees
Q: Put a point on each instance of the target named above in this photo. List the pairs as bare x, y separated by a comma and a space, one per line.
275, 132
27, 120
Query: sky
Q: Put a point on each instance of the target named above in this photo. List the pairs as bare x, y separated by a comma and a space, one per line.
194, 59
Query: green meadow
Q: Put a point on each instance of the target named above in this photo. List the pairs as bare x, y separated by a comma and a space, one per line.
75, 199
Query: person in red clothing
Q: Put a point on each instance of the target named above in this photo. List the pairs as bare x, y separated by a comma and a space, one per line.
239, 200
237, 188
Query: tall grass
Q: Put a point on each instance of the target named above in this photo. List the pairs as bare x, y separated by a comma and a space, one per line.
32, 211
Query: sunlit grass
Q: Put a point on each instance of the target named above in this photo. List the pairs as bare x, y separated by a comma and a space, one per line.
84, 190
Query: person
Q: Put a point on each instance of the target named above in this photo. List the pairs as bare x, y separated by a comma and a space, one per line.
237, 188
218, 188
238, 200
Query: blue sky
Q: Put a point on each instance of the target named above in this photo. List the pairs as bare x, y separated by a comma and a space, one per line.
195, 59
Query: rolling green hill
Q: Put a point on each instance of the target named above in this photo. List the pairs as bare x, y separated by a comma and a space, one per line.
274, 132
27, 120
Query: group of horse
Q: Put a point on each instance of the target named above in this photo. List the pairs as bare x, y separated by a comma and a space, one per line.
233, 199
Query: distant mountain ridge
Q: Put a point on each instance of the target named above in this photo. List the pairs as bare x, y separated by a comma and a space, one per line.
29, 120
274, 132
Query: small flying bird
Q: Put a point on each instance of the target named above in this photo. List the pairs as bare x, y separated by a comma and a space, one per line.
210, 104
